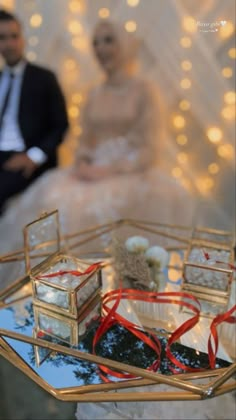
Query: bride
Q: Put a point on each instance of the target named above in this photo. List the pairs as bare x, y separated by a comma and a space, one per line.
116, 173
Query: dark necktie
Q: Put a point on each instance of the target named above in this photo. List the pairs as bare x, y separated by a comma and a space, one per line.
6, 99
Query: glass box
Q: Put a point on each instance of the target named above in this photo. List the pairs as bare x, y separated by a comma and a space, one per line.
208, 269
60, 283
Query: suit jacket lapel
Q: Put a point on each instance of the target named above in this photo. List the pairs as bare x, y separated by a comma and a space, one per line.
24, 88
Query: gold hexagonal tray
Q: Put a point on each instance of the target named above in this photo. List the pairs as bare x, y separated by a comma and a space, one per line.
56, 372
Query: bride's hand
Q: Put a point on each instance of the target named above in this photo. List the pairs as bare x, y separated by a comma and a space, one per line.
90, 172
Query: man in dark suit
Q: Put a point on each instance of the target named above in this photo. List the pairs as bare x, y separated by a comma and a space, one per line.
33, 117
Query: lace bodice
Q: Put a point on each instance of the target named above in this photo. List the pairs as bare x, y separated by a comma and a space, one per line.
119, 126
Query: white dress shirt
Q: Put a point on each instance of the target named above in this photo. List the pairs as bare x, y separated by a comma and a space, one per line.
10, 133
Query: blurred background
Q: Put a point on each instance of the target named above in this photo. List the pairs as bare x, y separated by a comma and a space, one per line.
187, 47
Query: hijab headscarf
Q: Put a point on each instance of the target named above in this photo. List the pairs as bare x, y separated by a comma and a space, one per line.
127, 41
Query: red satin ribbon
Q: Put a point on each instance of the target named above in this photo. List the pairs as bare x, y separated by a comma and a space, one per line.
112, 317
76, 273
226, 317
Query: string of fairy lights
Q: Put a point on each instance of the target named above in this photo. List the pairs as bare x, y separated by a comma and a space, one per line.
180, 122
214, 134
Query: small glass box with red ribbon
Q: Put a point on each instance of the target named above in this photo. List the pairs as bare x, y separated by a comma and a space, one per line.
60, 282
208, 269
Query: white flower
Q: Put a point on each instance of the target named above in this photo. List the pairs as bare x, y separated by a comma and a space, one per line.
156, 255
136, 244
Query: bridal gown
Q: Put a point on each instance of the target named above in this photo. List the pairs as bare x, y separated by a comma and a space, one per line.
121, 127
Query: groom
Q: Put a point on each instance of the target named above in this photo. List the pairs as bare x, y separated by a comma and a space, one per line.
33, 117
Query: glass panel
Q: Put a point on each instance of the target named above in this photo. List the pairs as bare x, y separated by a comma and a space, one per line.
52, 295
54, 326
87, 290
93, 315
42, 239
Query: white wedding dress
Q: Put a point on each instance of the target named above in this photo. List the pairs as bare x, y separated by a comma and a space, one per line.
121, 129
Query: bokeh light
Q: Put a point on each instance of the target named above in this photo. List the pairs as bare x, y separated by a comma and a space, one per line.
77, 98
76, 6
36, 20
186, 65
104, 13
232, 53
73, 111
226, 151
213, 168
177, 172
214, 134
226, 30
179, 121
228, 112
80, 43
185, 42
230, 97
184, 105
75, 27
189, 24
204, 184
130, 26
31, 56
133, 3
185, 83
227, 72
182, 139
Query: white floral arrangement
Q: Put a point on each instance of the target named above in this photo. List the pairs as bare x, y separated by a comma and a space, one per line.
139, 264
137, 244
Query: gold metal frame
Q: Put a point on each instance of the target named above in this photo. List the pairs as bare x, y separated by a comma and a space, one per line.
213, 235
182, 386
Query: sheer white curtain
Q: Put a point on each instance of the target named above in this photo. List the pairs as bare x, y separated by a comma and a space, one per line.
161, 25
160, 29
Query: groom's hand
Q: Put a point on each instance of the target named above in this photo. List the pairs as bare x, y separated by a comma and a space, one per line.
20, 162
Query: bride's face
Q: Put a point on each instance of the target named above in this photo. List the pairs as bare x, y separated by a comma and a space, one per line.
107, 48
